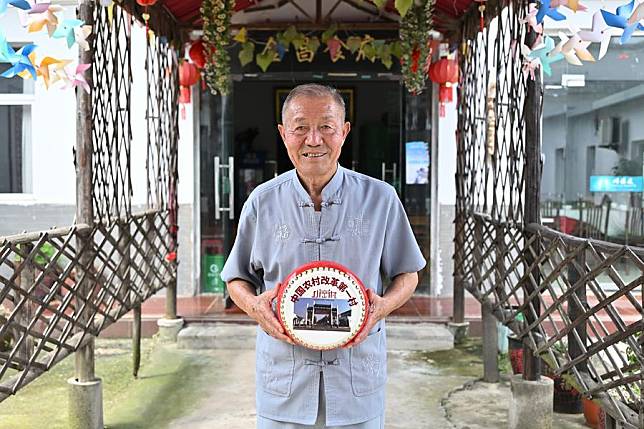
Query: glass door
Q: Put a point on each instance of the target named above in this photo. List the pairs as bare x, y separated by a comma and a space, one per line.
416, 177
217, 191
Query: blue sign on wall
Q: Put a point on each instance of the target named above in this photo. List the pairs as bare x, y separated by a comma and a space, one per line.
616, 184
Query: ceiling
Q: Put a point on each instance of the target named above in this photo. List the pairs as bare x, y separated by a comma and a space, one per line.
311, 14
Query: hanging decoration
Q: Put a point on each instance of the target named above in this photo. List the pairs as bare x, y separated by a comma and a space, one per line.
48, 18
19, 4
216, 29
188, 76
482, 13
574, 47
24, 63
145, 15
444, 72
625, 19
197, 54
414, 30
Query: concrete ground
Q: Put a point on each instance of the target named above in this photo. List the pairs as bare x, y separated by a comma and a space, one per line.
214, 388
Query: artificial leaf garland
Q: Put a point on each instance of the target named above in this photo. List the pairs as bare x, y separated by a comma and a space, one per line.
414, 35
216, 29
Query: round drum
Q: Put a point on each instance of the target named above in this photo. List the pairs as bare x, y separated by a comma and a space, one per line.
322, 305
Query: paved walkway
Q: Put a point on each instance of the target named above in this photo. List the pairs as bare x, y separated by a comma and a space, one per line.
425, 391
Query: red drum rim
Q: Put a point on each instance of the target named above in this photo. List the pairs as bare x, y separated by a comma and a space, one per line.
321, 264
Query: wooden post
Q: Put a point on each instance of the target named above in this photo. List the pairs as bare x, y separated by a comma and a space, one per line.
532, 172
27, 279
136, 341
84, 190
490, 346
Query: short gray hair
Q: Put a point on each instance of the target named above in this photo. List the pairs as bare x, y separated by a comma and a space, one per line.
314, 90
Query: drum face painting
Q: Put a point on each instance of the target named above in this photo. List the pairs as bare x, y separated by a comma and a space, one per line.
322, 305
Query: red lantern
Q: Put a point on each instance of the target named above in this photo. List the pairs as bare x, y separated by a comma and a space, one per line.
146, 3
188, 76
445, 73
197, 54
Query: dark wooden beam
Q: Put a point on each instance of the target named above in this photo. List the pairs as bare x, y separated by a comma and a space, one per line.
371, 11
312, 26
318, 11
298, 7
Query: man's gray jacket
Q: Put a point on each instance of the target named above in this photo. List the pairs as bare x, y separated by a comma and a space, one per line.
362, 226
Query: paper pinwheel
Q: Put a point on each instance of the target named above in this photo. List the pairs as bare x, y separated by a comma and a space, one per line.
75, 76
638, 15
19, 61
531, 19
599, 34
573, 49
73, 31
545, 55
20, 4
545, 8
51, 69
622, 20
47, 18
574, 5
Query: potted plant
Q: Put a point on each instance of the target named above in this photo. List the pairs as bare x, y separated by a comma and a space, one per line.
515, 349
567, 399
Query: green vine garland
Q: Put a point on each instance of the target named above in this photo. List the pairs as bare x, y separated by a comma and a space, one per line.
414, 34
216, 35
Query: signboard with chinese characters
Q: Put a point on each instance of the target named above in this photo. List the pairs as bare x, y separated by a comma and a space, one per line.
322, 305
616, 184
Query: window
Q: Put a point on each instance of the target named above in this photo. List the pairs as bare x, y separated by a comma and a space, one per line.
16, 99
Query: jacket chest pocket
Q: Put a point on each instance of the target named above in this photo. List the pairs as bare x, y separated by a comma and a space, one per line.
275, 365
369, 365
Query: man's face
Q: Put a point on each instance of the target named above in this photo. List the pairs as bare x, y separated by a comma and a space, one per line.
314, 132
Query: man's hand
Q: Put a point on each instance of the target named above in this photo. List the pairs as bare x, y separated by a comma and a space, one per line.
259, 307
399, 291
375, 313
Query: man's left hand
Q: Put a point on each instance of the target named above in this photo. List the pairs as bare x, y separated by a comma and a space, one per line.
375, 313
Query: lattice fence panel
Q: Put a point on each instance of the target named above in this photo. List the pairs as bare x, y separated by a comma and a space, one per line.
112, 132
162, 122
55, 294
583, 298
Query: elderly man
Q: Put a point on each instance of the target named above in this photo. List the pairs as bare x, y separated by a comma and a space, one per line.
321, 211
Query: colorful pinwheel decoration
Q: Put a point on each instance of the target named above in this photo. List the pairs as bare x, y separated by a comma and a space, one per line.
573, 49
48, 18
623, 20
20, 61
600, 33
75, 76
51, 70
73, 31
543, 54
574, 5
547, 9
20, 4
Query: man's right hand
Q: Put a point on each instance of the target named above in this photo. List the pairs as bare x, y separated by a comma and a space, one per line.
261, 309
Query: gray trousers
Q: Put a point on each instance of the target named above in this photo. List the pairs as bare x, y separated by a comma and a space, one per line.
320, 422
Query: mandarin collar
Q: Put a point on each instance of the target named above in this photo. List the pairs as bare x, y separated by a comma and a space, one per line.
330, 192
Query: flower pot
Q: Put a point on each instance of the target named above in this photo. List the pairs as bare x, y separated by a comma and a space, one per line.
567, 400
591, 413
516, 355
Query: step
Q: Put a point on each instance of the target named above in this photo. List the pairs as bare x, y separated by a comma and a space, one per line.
400, 336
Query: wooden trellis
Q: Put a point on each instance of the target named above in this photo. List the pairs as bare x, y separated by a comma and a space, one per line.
568, 298
60, 288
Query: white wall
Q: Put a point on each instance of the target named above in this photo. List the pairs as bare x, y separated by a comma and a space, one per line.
447, 155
